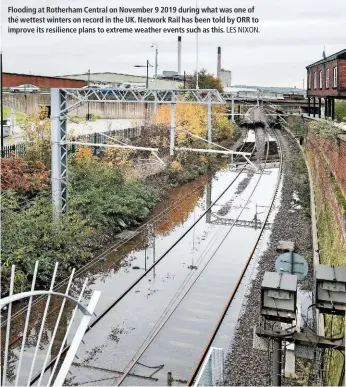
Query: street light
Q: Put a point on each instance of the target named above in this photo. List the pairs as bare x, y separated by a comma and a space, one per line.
197, 75
156, 53
147, 66
88, 117
156, 65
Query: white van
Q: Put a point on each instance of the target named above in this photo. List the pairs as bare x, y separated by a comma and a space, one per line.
132, 85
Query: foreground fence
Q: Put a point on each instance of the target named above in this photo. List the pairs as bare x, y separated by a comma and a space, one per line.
19, 150
211, 371
24, 367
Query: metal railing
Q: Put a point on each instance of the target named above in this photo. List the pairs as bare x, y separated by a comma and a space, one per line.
19, 150
211, 372
18, 373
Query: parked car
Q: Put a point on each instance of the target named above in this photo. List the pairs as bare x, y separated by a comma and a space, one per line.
86, 88
106, 90
132, 85
91, 87
24, 89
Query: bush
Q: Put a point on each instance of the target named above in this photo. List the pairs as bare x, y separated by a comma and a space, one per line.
37, 130
340, 110
101, 202
23, 177
100, 192
301, 181
194, 119
324, 129
29, 234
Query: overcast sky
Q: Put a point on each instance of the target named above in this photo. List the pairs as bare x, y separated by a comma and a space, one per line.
293, 34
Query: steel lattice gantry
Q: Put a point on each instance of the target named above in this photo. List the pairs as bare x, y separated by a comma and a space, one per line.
64, 101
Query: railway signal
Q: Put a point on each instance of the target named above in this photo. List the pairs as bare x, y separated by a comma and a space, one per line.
278, 304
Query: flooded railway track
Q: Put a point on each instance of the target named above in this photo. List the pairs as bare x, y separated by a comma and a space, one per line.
94, 358
222, 315
162, 333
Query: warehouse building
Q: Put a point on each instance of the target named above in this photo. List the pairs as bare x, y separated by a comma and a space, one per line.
114, 79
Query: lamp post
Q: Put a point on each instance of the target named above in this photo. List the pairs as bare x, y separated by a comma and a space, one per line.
197, 75
147, 66
146, 84
156, 53
88, 114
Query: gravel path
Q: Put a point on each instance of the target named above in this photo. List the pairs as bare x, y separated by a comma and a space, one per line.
245, 365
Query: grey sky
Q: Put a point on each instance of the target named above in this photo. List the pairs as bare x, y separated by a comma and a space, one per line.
293, 34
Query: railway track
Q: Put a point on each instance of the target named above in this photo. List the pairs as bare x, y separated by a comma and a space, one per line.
100, 316
61, 286
221, 317
144, 353
127, 372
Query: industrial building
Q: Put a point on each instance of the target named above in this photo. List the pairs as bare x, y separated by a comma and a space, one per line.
115, 79
80, 80
327, 79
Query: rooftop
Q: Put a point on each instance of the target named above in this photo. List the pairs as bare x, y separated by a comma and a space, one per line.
102, 73
339, 55
36, 75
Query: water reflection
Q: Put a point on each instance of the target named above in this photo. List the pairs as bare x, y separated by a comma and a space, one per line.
178, 206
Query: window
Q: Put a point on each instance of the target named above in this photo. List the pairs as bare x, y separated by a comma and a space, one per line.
315, 80
335, 77
321, 79
327, 79
309, 80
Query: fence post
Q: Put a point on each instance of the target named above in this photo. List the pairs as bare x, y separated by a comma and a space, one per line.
95, 141
73, 148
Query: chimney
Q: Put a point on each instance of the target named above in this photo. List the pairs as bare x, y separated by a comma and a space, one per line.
218, 62
179, 55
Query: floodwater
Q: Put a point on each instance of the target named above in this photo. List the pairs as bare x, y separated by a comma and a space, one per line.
173, 310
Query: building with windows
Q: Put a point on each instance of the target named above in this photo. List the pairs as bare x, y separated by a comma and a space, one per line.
326, 81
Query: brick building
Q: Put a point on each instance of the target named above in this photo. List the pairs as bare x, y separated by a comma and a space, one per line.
326, 79
13, 79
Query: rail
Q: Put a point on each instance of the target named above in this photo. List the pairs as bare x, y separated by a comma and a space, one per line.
99, 317
232, 295
158, 329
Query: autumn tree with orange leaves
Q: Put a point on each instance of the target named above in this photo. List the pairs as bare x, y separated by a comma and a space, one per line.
194, 119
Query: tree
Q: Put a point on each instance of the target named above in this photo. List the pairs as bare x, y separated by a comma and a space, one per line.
340, 110
193, 118
37, 129
205, 81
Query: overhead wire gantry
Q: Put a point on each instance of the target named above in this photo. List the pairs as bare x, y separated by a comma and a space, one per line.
64, 100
